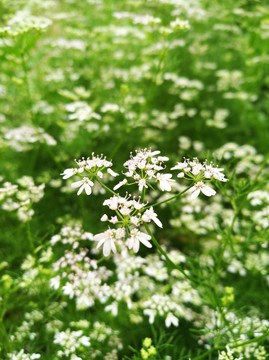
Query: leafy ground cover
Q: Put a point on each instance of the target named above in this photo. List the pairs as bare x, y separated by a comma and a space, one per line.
153, 243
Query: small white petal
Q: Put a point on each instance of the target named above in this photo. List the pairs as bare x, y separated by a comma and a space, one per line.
80, 189
111, 172
136, 246
195, 194
88, 189
121, 183
107, 248
77, 184
157, 221
208, 191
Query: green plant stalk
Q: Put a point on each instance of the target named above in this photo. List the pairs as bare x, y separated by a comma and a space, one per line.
106, 187
29, 236
160, 68
163, 252
169, 199
27, 83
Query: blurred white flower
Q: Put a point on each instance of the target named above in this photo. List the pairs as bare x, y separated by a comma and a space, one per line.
171, 319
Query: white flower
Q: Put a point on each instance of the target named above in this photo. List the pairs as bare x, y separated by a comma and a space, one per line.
68, 173
112, 173
113, 308
151, 313
114, 220
151, 215
55, 282
201, 186
164, 180
179, 24
135, 238
171, 319
134, 220
108, 239
85, 184
75, 357
180, 166
142, 183
120, 184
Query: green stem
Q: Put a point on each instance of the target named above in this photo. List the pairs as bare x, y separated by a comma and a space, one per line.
29, 236
169, 199
57, 162
3, 330
123, 139
27, 83
106, 187
143, 194
160, 67
163, 252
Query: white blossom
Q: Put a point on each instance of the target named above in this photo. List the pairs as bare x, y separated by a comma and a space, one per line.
149, 215
171, 319
201, 186
84, 184
120, 184
135, 237
164, 181
108, 239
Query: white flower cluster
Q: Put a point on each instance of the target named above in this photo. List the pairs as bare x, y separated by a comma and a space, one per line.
20, 197
26, 330
94, 167
21, 355
226, 355
78, 276
23, 137
23, 22
130, 214
244, 328
180, 25
145, 166
71, 235
67, 44
196, 171
138, 19
162, 305
70, 341
81, 111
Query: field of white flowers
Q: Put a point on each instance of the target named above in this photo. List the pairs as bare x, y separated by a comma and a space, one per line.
134, 179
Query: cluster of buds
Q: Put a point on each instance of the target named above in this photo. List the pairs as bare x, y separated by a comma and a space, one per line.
199, 172
130, 215
94, 167
144, 167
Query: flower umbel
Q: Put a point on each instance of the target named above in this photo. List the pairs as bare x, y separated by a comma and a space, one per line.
144, 167
93, 167
199, 172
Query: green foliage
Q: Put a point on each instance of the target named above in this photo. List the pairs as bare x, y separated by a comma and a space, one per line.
188, 78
